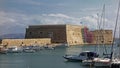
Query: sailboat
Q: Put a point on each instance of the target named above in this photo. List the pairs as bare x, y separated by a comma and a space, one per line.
81, 57
107, 62
111, 62
99, 39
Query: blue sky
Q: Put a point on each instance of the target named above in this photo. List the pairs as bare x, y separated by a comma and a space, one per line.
16, 15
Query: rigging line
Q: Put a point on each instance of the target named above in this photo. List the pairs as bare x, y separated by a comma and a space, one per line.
115, 31
101, 27
104, 16
97, 37
101, 19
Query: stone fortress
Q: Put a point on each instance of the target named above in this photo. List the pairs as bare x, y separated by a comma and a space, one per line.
57, 34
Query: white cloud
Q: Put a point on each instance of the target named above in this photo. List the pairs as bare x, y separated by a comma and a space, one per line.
90, 21
16, 22
59, 15
29, 2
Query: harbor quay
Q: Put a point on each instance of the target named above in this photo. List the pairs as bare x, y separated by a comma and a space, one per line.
53, 40
26, 42
61, 34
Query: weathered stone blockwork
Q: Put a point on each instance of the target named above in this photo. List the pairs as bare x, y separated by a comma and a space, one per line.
56, 34
27, 42
74, 34
103, 37
70, 34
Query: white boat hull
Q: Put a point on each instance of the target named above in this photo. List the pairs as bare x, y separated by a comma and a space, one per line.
87, 62
102, 62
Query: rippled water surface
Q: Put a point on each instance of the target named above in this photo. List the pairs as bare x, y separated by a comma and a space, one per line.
46, 58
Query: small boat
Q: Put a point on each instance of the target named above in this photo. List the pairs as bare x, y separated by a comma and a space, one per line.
82, 56
28, 49
14, 49
88, 62
97, 62
107, 63
115, 63
62, 45
34, 47
102, 62
112, 61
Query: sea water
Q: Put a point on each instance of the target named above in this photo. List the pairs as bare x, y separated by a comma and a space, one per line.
47, 58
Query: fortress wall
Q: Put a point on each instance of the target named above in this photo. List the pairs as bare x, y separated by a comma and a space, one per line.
20, 42
74, 34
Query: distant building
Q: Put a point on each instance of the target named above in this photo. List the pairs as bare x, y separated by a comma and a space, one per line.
102, 37
70, 34
56, 34
87, 35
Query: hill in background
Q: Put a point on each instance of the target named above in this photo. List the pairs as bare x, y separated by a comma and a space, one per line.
13, 36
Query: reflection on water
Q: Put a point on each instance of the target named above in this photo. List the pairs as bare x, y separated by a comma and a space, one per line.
46, 58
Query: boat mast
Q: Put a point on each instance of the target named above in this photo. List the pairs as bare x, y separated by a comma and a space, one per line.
116, 23
97, 39
119, 35
119, 43
101, 27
